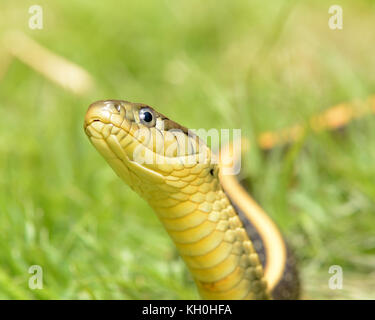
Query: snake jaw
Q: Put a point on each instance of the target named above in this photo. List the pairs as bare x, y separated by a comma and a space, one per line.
99, 111
120, 154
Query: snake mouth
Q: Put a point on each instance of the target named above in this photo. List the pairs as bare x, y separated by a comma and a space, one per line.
101, 111
114, 122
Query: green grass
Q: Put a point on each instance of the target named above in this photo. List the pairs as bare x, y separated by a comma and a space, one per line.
253, 65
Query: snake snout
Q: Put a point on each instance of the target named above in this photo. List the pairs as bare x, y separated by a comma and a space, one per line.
101, 111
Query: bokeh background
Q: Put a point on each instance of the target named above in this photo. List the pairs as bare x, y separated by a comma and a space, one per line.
254, 65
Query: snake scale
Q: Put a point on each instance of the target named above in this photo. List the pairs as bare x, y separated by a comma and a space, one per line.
231, 247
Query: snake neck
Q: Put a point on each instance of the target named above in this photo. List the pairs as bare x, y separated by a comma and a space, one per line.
211, 240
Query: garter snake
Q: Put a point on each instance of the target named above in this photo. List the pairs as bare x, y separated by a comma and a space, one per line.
174, 171
230, 245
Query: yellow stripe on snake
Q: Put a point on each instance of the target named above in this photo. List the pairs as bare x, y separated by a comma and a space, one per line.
230, 245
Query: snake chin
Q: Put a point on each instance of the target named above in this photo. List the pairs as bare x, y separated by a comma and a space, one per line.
121, 154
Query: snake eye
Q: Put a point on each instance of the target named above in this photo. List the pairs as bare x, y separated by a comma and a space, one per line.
147, 117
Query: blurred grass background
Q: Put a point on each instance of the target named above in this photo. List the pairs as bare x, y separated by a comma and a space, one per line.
253, 65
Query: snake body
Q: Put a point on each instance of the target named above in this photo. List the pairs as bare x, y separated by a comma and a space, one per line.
231, 247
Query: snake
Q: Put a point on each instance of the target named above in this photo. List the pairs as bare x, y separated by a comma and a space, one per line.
232, 248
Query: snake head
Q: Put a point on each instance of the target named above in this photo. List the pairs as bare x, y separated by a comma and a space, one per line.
144, 147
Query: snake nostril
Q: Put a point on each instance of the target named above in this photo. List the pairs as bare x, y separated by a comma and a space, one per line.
117, 107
